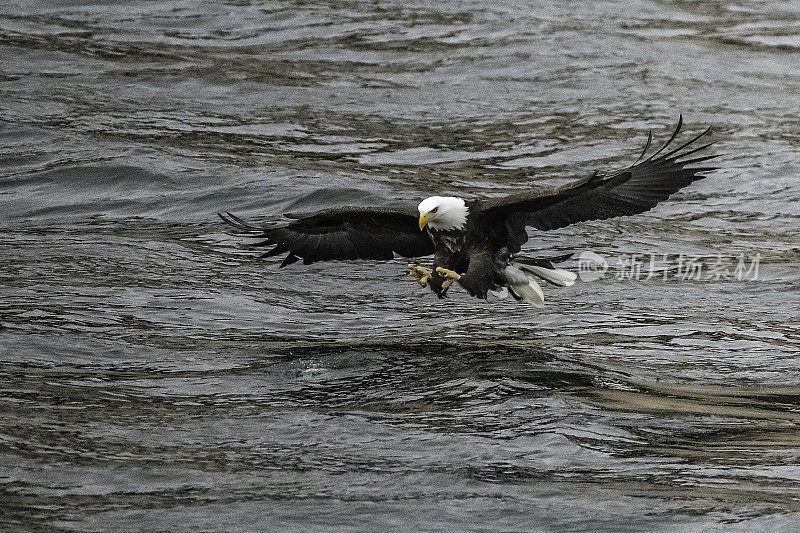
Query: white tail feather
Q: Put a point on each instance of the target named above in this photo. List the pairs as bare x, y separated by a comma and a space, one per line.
556, 276
523, 286
530, 292
521, 282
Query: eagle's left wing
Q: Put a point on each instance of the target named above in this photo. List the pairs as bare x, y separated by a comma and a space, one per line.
339, 234
630, 191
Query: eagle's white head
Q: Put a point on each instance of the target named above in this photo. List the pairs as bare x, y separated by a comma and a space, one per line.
442, 213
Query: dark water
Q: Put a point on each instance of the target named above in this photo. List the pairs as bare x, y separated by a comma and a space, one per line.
155, 377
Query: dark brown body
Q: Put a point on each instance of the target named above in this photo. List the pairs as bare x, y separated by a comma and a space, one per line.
479, 252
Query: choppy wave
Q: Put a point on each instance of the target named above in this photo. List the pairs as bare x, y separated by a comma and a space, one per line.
155, 375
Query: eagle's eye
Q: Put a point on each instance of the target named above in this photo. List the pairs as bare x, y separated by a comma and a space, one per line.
434, 209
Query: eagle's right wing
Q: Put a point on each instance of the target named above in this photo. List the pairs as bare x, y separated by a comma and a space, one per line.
340, 234
630, 191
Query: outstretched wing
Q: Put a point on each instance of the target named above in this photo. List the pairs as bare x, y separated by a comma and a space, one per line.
338, 234
633, 190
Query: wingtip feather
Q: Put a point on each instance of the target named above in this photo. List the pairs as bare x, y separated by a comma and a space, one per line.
646, 146
687, 143
672, 138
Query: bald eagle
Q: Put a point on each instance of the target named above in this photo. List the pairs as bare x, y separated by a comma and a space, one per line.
477, 242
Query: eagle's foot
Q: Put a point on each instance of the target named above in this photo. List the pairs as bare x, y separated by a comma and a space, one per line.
422, 274
449, 277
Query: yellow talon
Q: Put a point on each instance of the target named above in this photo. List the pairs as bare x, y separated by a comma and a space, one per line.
422, 274
449, 274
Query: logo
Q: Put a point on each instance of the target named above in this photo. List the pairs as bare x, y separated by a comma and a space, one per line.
591, 266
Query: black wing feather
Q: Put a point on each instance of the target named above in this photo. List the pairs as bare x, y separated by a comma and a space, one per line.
633, 190
340, 234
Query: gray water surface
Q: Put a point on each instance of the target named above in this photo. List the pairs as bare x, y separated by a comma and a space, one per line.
155, 376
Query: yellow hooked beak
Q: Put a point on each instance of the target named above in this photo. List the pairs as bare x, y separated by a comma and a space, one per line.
423, 220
